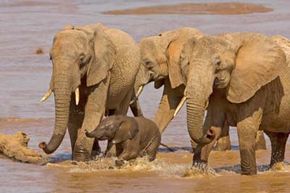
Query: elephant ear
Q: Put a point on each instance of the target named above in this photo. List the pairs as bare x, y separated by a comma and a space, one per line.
104, 52
173, 55
178, 53
258, 61
185, 56
127, 130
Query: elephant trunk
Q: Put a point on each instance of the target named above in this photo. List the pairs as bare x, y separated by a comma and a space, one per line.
62, 95
195, 117
198, 90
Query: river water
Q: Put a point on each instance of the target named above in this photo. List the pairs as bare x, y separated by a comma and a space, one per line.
24, 77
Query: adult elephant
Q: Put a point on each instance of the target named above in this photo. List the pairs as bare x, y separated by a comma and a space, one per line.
161, 56
242, 78
94, 71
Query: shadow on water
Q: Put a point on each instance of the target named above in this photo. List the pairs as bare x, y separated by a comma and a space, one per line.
165, 148
60, 157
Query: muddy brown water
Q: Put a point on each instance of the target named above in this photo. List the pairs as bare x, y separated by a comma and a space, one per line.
28, 26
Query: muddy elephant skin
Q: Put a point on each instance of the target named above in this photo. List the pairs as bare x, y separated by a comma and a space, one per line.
243, 80
94, 74
133, 137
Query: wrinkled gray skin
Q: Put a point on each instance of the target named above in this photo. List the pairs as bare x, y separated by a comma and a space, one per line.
134, 137
242, 78
143, 77
103, 63
161, 56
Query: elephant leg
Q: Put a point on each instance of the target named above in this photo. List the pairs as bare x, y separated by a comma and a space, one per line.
94, 111
152, 148
76, 117
136, 108
278, 143
109, 151
168, 104
247, 130
260, 140
125, 103
224, 142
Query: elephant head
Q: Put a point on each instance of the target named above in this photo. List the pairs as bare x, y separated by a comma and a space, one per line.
77, 55
160, 54
237, 65
115, 128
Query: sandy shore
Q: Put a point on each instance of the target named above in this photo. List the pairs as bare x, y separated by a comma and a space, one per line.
196, 8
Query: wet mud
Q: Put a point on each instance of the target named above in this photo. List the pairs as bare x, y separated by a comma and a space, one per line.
25, 75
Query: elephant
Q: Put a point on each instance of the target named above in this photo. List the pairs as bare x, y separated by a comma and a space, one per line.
142, 79
94, 73
133, 136
161, 56
242, 79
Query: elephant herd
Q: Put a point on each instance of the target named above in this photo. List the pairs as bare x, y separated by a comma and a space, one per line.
240, 79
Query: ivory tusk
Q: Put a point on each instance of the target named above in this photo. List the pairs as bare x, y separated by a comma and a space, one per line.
139, 91
137, 94
77, 95
179, 106
46, 95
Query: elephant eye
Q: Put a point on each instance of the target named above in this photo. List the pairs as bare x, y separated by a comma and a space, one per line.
82, 60
148, 64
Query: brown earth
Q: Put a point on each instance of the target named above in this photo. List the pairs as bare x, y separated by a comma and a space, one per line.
195, 8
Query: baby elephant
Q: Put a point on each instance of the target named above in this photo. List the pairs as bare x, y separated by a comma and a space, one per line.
133, 136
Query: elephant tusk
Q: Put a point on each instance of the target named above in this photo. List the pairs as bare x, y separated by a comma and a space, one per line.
77, 95
179, 106
139, 91
46, 95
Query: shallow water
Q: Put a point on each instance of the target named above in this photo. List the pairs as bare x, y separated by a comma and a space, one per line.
24, 77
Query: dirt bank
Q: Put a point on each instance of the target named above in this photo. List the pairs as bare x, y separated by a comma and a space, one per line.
196, 8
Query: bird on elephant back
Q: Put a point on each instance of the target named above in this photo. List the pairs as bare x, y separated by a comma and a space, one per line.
242, 79
160, 54
93, 75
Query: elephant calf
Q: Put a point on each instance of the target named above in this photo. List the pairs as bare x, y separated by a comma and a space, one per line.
133, 137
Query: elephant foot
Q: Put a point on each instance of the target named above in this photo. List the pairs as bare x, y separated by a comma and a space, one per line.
248, 170
81, 154
203, 168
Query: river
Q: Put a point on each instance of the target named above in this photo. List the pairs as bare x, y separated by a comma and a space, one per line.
24, 77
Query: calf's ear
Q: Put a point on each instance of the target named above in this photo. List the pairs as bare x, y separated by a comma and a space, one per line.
127, 131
